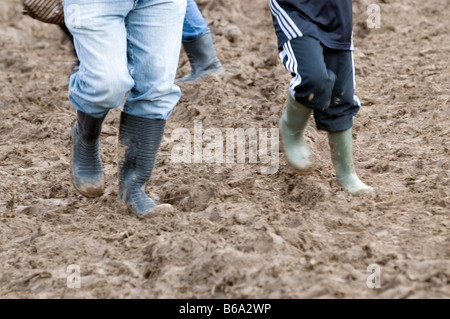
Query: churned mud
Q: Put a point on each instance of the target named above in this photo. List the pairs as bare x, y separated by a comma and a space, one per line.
234, 231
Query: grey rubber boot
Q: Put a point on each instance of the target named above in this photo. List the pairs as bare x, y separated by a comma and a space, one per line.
292, 125
342, 157
202, 57
87, 171
139, 140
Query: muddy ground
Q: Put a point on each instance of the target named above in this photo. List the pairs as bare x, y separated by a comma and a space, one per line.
235, 232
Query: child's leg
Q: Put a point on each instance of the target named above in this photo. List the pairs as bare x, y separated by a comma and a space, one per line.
309, 89
322, 82
337, 120
342, 107
312, 83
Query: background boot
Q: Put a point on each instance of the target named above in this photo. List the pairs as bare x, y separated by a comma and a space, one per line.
341, 155
139, 140
87, 171
292, 124
202, 57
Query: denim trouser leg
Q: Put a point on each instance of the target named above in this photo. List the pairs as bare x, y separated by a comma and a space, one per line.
125, 46
154, 43
194, 24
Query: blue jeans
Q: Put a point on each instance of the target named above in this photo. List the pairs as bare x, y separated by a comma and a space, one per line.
194, 25
125, 46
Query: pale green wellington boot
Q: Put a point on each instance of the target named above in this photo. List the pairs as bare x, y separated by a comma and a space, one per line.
292, 124
342, 157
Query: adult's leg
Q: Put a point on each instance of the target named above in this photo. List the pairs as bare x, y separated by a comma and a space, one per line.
99, 33
100, 84
67, 32
154, 39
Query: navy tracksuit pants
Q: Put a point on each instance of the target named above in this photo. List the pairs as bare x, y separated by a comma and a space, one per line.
323, 80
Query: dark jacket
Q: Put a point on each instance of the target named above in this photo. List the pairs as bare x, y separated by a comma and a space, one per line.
329, 21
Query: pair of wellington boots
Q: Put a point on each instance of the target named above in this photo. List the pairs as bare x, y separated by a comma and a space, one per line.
139, 140
292, 125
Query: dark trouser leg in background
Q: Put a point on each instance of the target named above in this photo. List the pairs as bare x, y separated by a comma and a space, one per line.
76, 66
